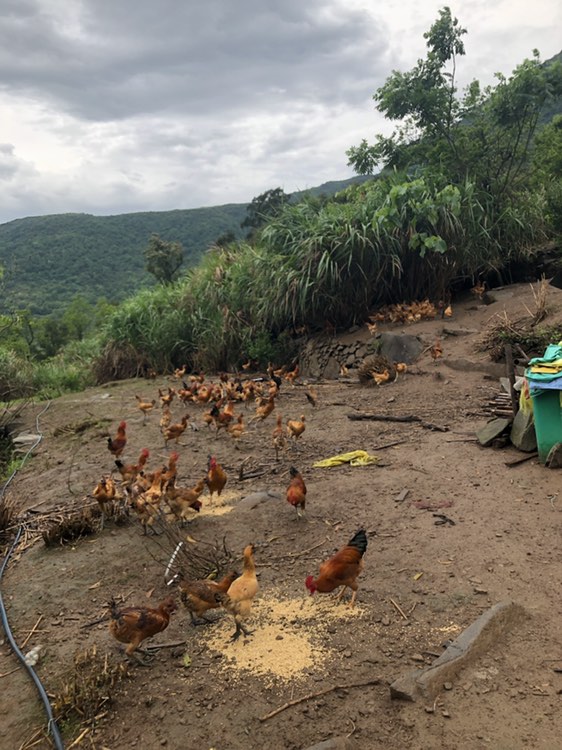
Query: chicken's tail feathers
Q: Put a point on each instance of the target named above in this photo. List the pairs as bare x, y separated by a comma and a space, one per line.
113, 610
359, 541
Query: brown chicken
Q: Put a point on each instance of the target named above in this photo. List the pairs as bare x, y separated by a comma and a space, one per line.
145, 407
223, 418
292, 375
436, 350
279, 439
296, 427
237, 429
216, 477
200, 596
342, 569
129, 472
311, 396
175, 431
264, 409
105, 493
133, 625
166, 418
296, 492
170, 473
238, 599
166, 398
117, 444
184, 501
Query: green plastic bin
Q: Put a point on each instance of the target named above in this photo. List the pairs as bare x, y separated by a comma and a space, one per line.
548, 419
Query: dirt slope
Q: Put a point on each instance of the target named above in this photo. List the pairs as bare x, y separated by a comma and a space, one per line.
504, 544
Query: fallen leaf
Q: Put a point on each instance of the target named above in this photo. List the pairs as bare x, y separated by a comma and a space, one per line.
149, 593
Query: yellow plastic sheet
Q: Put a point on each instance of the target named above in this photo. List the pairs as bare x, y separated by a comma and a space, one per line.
353, 458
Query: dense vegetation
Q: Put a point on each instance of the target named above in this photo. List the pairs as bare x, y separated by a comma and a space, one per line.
471, 186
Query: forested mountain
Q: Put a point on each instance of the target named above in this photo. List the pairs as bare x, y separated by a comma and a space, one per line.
47, 260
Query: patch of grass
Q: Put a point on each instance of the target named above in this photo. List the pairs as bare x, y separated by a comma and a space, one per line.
88, 688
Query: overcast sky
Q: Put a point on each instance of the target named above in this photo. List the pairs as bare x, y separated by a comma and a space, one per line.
113, 106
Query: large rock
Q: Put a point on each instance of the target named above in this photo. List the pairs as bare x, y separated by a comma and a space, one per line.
470, 644
400, 347
523, 432
487, 434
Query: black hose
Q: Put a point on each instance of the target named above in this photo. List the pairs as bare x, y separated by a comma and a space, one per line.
52, 724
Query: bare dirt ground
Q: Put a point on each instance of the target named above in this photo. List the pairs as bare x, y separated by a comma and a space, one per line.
504, 544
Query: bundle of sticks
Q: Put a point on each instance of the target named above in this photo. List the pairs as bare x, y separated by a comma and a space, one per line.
500, 405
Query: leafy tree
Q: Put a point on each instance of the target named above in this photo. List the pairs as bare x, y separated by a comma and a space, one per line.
263, 208
163, 259
547, 161
483, 136
78, 318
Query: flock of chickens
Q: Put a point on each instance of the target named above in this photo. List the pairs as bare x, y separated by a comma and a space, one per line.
155, 494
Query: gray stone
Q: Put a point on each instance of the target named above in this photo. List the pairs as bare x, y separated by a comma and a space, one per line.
487, 434
336, 743
400, 347
523, 432
471, 643
332, 369
258, 498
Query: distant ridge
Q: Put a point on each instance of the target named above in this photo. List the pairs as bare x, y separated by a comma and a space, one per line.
47, 260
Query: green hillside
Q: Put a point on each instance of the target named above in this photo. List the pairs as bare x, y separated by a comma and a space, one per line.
49, 259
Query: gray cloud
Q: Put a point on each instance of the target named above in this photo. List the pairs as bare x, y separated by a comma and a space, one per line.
131, 105
137, 57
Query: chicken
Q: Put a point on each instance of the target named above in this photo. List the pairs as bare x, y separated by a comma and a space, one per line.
145, 407
264, 409
436, 350
296, 492
166, 418
200, 596
133, 625
129, 472
479, 289
117, 444
175, 431
279, 439
147, 504
311, 396
183, 501
274, 376
223, 418
292, 375
216, 477
166, 398
381, 377
342, 569
296, 427
237, 429
169, 475
238, 599
105, 493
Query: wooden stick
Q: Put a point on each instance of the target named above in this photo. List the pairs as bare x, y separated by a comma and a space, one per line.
5, 674
390, 445
521, 460
384, 417
33, 629
80, 737
310, 696
156, 646
399, 608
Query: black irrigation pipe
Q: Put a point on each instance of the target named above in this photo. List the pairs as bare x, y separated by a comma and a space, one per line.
52, 724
